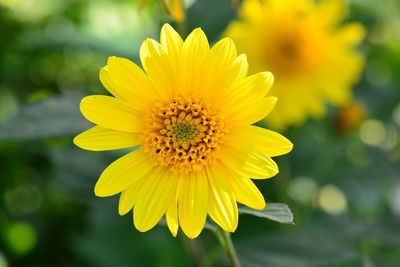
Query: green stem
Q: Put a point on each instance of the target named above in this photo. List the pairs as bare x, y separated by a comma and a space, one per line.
197, 252
226, 241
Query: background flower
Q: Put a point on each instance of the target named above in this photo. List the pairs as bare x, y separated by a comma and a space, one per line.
303, 43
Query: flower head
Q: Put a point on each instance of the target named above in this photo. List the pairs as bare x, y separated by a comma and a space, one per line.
300, 41
190, 111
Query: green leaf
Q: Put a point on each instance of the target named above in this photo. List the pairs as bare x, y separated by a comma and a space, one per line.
278, 212
53, 117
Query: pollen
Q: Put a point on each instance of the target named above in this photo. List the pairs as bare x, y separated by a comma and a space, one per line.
183, 134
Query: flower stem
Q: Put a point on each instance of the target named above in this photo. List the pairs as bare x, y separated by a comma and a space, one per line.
225, 238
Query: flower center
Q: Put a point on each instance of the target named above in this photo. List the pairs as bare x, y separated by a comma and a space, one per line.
183, 133
293, 50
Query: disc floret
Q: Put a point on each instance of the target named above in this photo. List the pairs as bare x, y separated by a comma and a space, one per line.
183, 134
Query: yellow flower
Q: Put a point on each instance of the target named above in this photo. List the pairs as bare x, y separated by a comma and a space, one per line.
190, 111
313, 58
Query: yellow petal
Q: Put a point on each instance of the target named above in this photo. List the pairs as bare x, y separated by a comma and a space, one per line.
128, 197
224, 68
171, 42
222, 205
150, 48
254, 113
247, 193
195, 54
218, 75
270, 142
253, 10
351, 34
112, 113
123, 173
159, 68
193, 200
258, 84
247, 161
98, 138
246, 102
223, 53
172, 217
331, 11
243, 64
195, 44
125, 80
154, 198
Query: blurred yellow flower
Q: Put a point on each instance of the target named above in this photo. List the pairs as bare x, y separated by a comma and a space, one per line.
313, 58
190, 111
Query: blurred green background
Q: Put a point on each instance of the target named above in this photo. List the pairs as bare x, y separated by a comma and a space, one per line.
342, 185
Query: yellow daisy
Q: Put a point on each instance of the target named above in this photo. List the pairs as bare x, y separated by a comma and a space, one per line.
190, 111
313, 58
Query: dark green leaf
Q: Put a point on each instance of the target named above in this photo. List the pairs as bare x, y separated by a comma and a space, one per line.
53, 117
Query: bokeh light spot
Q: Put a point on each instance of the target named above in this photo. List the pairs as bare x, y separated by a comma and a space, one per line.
373, 132
21, 237
24, 199
302, 189
391, 138
332, 199
3, 260
396, 115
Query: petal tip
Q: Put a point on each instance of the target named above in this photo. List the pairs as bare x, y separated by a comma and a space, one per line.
78, 141
111, 60
197, 34
168, 27
270, 77
139, 225
273, 99
290, 146
98, 191
174, 232
122, 210
261, 207
192, 234
231, 227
